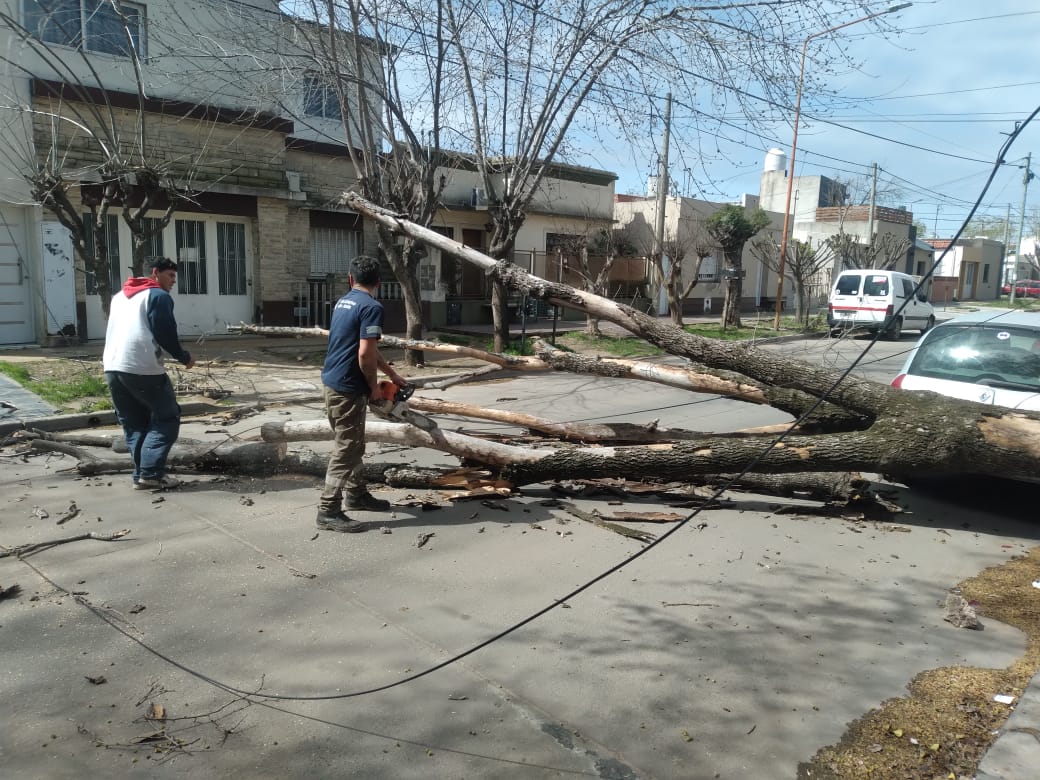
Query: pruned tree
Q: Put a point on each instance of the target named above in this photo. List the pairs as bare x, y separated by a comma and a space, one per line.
677, 267
883, 251
732, 227
807, 267
113, 167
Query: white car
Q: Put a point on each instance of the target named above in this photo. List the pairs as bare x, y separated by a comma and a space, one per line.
991, 356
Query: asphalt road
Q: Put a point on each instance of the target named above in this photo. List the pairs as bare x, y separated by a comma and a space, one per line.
733, 650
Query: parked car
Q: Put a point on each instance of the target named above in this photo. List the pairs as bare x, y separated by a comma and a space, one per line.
991, 356
1024, 288
870, 298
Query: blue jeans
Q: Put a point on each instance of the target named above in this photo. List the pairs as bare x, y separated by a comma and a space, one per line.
146, 407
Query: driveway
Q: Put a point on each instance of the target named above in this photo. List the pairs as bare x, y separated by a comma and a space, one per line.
734, 649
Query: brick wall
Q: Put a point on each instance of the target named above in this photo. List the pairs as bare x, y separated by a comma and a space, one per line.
187, 148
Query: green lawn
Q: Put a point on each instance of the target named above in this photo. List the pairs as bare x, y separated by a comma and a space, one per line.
61, 390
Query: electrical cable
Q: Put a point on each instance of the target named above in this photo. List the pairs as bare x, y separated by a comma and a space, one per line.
778, 440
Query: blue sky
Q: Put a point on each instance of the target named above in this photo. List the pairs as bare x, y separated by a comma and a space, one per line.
956, 78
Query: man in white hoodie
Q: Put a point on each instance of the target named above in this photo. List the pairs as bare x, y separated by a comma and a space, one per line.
140, 327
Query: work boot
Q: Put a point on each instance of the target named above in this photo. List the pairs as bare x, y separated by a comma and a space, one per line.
336, 521
365, 501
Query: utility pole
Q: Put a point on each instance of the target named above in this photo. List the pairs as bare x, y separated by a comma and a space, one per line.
1007, 238
662, 196
1021, 224
873, 201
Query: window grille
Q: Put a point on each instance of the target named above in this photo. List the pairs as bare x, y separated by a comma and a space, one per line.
112, 252
231, 258
332, 250
191, 257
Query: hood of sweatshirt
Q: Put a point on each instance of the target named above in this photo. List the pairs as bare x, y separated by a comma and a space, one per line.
136, 284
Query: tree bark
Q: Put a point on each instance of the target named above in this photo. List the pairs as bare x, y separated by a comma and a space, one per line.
891, 431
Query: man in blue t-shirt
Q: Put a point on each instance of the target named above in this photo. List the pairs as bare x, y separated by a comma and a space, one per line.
350, 379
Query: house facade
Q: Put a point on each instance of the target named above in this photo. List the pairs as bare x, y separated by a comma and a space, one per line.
969, 271
685, 231
572, 205
258, 152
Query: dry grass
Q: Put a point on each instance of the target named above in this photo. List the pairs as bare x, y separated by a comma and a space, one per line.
950, 711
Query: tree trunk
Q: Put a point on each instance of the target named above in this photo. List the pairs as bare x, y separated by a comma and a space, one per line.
734, 292
500, 314
901, 433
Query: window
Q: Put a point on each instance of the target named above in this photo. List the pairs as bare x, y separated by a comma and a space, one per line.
848, 284
231, 258
320, 99
876, 285
709, 270
93, 25
111, 250
985, 273
191, 257
332, 249
153, 228
427, 276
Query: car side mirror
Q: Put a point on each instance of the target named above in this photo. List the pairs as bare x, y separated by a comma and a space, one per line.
922, 297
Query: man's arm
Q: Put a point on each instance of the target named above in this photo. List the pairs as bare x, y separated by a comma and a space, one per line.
387, 369
369, 359
164, 327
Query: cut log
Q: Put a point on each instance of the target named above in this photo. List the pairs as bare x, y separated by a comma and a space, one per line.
254, 458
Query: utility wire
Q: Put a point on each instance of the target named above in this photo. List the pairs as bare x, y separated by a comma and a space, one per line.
777, 441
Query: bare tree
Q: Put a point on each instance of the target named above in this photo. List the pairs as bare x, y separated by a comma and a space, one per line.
883, 251
531, 72
388, 78
677, 267
81, 143
805, 267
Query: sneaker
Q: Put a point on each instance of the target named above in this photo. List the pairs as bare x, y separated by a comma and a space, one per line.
366, 502
158, 483
339, 522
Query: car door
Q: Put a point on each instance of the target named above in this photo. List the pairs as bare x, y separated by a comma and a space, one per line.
879, 293
913, 311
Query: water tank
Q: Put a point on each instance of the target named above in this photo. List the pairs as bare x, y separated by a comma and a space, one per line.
776, 160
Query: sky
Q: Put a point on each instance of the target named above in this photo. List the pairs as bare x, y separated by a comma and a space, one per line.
931, 107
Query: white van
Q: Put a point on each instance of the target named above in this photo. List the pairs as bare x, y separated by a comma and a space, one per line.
869, 298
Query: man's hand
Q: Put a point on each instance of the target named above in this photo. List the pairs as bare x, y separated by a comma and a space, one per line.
190, 363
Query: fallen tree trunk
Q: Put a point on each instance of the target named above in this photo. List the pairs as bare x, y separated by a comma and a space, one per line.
892, 431
69, 422
548, 358
252, 457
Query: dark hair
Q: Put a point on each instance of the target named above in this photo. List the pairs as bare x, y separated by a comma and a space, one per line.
163, 264
365, 270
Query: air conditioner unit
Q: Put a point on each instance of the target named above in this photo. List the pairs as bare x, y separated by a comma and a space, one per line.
479, 199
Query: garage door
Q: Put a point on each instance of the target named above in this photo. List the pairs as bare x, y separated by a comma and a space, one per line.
15, 289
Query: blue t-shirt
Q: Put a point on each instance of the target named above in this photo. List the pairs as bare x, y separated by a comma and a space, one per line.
357, 315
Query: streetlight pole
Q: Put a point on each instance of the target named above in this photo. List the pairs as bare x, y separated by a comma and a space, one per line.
794, 148
1026, 176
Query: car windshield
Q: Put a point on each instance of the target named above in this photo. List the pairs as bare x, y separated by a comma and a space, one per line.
987, 353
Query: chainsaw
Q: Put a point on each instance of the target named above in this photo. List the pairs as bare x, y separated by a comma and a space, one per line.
394, 405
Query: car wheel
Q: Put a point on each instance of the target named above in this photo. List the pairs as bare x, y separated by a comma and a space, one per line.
895, 330
928, 325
